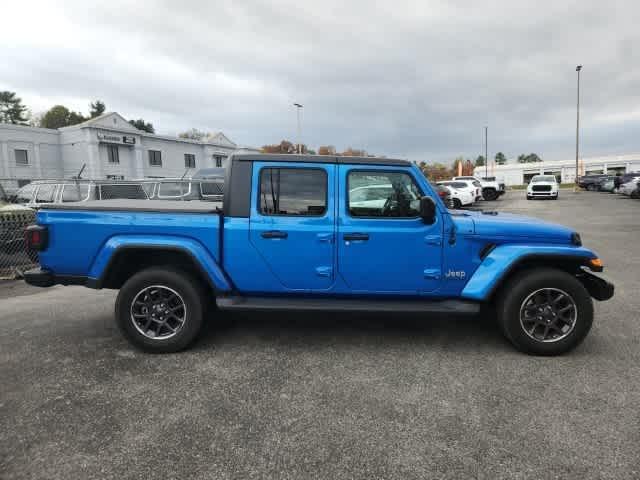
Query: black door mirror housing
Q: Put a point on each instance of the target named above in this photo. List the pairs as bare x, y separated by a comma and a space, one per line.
427, 210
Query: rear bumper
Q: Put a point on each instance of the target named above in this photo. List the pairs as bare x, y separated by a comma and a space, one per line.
597, 287
39, 277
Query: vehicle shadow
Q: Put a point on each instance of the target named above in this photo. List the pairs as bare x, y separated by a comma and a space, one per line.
335, 328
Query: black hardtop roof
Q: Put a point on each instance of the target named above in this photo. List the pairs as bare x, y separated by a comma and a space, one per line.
279, 157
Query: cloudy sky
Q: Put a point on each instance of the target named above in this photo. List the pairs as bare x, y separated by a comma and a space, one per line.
416, 79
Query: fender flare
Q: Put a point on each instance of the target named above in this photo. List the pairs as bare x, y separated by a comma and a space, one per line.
503, 259
201, 257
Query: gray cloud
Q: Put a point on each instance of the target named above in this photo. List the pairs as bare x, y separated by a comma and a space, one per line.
410, 79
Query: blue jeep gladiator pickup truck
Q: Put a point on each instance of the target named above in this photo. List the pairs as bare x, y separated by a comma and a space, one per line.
319, 232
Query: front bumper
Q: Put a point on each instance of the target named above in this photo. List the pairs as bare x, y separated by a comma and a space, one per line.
542, 194
597, 287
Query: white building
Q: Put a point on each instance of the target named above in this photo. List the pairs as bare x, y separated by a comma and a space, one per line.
565, 170
109, 146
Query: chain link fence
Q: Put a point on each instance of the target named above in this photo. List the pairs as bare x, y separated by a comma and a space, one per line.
14, 257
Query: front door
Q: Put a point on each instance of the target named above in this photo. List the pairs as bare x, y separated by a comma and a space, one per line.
383, 244
292, 224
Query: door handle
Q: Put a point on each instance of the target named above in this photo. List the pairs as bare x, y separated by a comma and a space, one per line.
356, 236
274, 234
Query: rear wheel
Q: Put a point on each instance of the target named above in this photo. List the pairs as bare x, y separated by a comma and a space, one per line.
545, 311
489, 194
160, 310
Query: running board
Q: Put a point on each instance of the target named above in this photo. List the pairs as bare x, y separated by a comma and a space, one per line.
347, 304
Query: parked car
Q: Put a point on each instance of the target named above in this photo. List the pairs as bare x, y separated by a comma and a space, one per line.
490, 188
629, 187
591, 182
624, 178
445, 195
470, 186
40, 192
606, 185
460, 198
181, 189
543, 186
293, 237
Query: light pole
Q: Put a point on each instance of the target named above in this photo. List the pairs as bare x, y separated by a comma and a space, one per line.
578, 68
486, 157
298, 107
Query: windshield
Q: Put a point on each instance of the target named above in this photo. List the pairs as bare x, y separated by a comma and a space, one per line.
543, 178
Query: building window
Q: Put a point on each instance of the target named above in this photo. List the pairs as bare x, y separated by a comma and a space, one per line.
115, 177
218, 159
293, 191
155, 158
113, 154
189, 160
22, 157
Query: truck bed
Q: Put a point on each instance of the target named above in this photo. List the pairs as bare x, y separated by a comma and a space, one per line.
129, 205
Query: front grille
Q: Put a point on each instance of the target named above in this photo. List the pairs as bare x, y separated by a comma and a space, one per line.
541, 188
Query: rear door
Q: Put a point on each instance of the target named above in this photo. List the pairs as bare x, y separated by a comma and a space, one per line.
292, 224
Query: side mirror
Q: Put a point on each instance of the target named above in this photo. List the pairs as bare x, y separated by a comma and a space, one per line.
427, 210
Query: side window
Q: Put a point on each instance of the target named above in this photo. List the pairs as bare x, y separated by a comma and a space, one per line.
75, 193
382, 194
293, 191
174, 189
212, 188
25, 194
46, 193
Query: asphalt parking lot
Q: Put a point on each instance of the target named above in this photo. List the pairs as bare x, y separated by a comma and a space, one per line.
328, 396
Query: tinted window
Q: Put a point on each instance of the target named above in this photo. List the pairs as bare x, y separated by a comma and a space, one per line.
46, 193
293, 191
383, 194
544, 178
134, 191
25, 194
75, 193
212, 188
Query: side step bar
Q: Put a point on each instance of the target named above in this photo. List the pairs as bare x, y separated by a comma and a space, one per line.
240, 303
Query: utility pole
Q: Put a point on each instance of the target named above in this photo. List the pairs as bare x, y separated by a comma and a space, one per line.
486, 156
578, 68
298, 108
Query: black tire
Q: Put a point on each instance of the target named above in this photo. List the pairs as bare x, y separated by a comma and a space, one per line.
489, 194
189, 291
457, 204
635, 194
528, 197
521, 287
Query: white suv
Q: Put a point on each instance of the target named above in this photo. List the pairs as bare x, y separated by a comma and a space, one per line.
543, 186
490, 187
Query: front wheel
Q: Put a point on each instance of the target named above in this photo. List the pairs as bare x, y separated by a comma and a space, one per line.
457, 204
545, 311
160, 310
